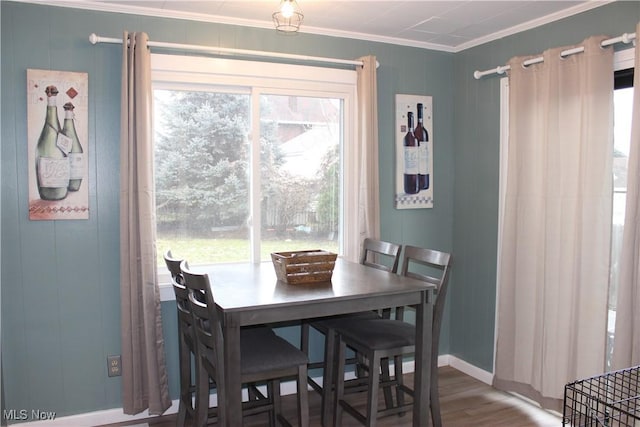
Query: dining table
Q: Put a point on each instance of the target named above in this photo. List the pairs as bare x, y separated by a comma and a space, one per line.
250, 294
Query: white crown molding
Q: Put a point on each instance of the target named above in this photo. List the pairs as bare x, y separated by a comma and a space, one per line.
144, 11
592, 4
376, 38
147, 11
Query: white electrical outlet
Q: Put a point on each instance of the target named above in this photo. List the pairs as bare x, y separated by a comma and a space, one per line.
114, 366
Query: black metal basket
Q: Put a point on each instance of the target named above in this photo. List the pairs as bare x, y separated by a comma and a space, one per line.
611, 399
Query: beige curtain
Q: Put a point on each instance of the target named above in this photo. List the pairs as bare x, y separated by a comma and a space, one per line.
367, 158
554, 263
144, 376
626, 348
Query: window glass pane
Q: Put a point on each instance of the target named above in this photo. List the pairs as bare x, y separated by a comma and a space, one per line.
301, 141
623, 101
201, 173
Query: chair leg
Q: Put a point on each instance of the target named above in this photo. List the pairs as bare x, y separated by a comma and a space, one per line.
202, 394
277, 401
397, 367
304, 337
386, 377
374, 385
184, 357
338, 381
273, 394
251, 392
303, 397
435, 396
328, 385
360, 369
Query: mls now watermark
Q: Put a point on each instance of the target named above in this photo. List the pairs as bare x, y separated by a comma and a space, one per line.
24, 415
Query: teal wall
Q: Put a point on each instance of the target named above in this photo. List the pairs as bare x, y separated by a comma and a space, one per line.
60, 291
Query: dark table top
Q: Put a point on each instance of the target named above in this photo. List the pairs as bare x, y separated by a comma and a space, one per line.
251, 288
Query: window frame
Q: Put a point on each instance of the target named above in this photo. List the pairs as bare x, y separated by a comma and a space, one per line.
190, 73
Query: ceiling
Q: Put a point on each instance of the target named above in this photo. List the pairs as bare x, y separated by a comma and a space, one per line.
449, 25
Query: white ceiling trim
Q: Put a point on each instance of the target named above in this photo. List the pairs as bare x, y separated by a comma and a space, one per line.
592, 4
137, 10
146, 11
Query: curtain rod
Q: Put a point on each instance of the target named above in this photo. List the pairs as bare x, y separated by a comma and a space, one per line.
94, 38
624, 38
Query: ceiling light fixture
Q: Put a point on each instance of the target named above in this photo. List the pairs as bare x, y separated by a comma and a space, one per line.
288, 17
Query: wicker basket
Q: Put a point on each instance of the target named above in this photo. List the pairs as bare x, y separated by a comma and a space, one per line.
308, 266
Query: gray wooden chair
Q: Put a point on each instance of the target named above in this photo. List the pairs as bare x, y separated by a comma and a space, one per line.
265, 358
186, 341
379, 339
377, 254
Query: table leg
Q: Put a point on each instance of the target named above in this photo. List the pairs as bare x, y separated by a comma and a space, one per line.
422, 378
231, 405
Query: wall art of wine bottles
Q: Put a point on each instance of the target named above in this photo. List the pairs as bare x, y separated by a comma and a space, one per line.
414, 152
57, 141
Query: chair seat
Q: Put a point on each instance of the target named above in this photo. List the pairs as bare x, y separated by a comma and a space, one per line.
262, 350
378, 334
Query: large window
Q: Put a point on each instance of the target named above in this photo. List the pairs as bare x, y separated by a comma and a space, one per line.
249, 158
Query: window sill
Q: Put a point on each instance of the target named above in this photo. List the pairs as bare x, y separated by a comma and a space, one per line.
166, 292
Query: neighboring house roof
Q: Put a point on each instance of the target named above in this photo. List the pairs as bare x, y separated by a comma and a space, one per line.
304, 154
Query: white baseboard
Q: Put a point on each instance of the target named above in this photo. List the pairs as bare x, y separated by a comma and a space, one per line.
116, 415
90, 419
469, 369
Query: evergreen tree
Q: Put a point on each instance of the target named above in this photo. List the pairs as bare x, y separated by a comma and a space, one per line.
202, 153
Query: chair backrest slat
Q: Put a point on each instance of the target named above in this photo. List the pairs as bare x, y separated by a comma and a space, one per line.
180, 291
373, 251
173, 264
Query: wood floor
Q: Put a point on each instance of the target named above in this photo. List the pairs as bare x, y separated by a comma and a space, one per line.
466, 402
